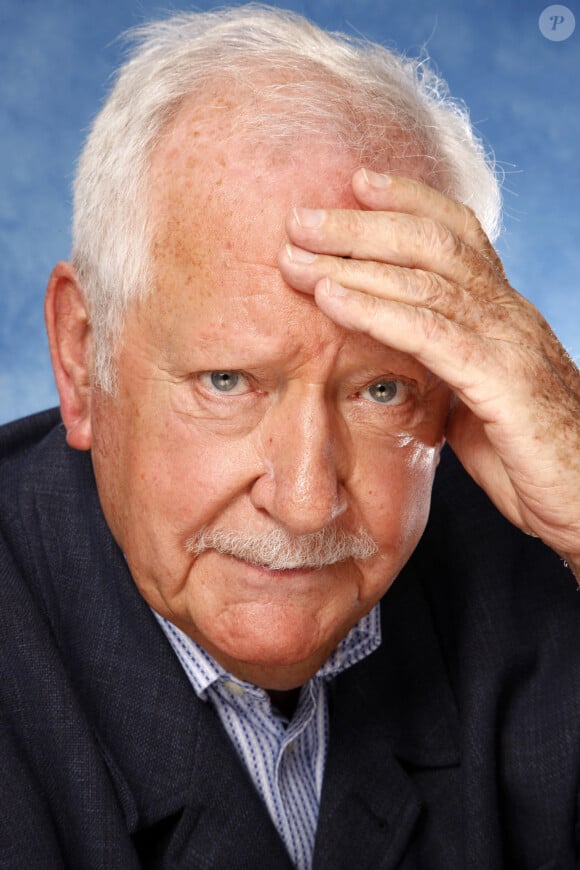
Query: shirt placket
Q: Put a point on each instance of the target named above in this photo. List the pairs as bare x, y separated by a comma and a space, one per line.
296, 779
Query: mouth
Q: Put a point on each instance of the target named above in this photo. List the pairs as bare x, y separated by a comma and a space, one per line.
299, 570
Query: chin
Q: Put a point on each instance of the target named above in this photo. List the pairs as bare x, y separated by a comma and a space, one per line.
284, 650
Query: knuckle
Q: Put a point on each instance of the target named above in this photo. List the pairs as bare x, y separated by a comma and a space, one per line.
437, 236
431, 288
431, 325
354, 227
426, 331
380, 274
472, 230
373, 313
370, 276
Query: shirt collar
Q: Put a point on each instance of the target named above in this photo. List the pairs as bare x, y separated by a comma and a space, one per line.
204, 671
362, 640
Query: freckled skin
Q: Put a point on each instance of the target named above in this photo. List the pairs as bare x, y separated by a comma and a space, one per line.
170, 457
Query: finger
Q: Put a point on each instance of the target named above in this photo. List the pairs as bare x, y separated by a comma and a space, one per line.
395, 193
500, 316
394, 238
474, 365
459, 356
303, 270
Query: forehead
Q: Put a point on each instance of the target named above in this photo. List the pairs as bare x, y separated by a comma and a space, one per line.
219, 202
219, 213
205, 174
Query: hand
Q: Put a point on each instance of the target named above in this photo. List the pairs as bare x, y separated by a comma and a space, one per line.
414, 270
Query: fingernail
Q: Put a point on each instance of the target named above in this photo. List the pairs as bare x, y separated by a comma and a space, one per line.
376, 179
299, 255
331, 288
309, 218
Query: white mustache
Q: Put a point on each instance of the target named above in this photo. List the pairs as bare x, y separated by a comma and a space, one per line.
278, 550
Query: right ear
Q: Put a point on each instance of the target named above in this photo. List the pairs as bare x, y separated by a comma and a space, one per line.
71, 352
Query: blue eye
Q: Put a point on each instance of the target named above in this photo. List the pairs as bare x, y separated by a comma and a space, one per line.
386, 392
225, 382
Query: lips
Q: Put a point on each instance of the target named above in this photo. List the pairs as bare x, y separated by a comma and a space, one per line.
279, 572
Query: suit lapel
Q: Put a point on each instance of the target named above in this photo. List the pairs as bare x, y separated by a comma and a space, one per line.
392, 719
225, 822
188, 796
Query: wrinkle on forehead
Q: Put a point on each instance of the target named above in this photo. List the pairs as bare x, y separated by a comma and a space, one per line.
219, 206
209, 138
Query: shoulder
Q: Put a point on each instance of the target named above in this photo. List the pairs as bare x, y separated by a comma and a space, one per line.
38, 470
32, 454
51, 526
18, 437
506, 610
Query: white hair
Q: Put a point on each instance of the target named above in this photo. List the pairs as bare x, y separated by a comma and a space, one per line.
374, 102
278, 550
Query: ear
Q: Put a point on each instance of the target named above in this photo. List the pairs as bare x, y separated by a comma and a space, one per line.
71, 352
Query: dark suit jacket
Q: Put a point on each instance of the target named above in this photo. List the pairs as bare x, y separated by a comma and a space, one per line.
456, 745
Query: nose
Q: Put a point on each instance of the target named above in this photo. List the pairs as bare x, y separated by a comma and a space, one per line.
304, 464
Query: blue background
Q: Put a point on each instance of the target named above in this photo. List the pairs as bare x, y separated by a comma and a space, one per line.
56, 57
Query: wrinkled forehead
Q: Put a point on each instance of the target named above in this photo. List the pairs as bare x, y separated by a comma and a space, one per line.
216, 197
199, 176
211, 167
219, 205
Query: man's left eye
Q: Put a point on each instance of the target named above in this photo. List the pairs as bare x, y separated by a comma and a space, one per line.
225, 381
386, 392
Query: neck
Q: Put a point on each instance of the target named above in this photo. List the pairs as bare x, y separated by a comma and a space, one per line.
285, 701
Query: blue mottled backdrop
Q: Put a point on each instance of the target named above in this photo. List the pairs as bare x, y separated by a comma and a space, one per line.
521, 85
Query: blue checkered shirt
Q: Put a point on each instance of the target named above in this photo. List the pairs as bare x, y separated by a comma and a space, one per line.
284, 759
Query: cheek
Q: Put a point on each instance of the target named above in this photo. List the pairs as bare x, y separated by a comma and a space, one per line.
395, 511
178, 479
396, 497
194, 476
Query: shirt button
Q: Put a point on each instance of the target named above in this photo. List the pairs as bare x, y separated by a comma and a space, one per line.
233, 688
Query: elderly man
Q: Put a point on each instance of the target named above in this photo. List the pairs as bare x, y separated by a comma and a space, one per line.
283, 299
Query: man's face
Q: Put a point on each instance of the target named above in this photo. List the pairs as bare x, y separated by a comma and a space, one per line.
241, 408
